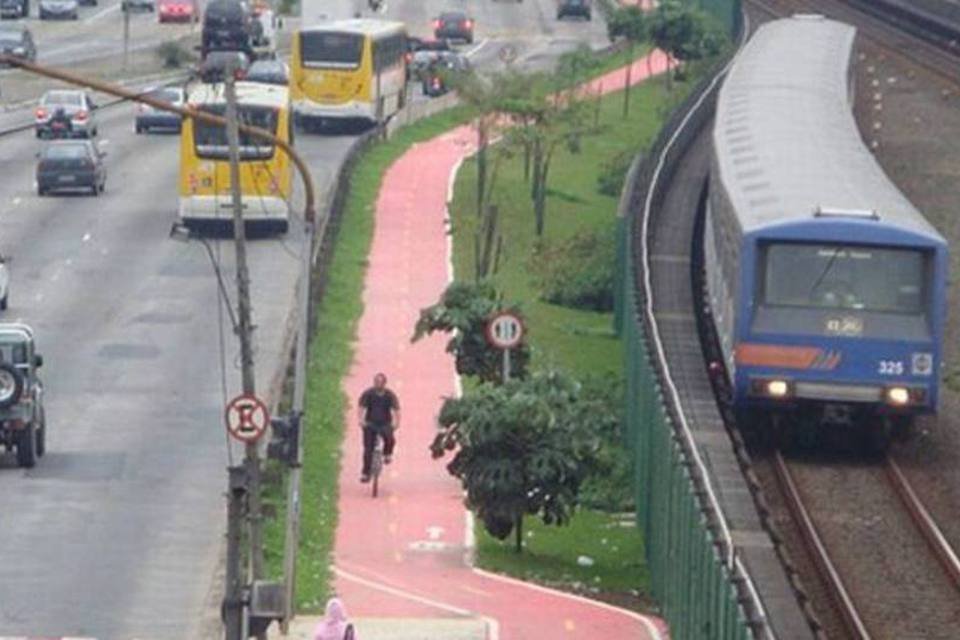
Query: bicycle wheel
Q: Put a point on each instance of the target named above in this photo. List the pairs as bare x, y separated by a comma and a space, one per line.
376, 466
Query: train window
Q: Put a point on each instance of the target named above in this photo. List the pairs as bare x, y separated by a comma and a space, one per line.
828, 276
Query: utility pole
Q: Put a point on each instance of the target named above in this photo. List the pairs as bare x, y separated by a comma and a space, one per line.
252, 459
125, 6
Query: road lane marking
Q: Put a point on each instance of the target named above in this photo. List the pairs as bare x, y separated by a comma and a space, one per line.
102, 13
86, 237
480, 45
17, 200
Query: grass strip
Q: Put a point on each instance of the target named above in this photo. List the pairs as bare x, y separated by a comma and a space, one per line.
598, 554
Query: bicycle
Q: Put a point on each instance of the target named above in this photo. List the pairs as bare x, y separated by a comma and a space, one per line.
376, 467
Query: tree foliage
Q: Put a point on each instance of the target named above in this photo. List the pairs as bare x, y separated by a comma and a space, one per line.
523, 448
463, 311
684, 32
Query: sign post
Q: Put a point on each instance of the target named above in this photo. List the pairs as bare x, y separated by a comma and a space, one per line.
505, 332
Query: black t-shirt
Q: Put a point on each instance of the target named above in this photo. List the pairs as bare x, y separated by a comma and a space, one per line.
379, 405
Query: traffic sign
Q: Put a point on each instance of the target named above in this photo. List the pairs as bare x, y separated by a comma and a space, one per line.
247, 418
505, 330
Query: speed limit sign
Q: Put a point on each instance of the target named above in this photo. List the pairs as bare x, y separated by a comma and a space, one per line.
505, 330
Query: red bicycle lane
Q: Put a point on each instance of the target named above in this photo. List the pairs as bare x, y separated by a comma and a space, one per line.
406, 554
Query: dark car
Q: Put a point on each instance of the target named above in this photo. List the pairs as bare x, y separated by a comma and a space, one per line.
268, 72
149, 118
214, 66
579, 8
71, 165
17, 41
227, 26
14, 8
454, 25
438, 75
138, 5
63, 9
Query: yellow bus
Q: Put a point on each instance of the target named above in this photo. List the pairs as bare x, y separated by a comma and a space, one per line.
266, 173
348, 70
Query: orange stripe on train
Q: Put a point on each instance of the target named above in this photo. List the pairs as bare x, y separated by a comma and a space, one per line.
785, 357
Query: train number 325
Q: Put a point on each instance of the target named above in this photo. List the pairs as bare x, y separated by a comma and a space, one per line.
890, 368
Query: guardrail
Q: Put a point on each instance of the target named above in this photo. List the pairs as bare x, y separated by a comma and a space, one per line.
697, 575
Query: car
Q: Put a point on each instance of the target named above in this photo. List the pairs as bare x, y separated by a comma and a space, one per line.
63, 9
70, 165
75, 103
139, 5
23, 423
454, 25
827, 286
227, 26
17, 41
176, 11
14, 9
149, 118
4, 284
268, 72
213, 67
581, 8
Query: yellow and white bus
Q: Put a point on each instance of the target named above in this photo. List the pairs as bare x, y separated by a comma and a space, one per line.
348, 70
266, 173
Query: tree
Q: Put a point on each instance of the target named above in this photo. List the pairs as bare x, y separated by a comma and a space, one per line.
523, 448
684, 33
463, 310
630, 23
486, 94
547, 116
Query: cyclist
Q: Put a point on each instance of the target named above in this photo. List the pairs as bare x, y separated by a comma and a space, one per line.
379, 418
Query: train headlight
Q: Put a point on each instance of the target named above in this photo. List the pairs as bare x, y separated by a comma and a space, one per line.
777, 388
898, 396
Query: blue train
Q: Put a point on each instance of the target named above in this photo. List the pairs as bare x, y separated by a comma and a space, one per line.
827, 287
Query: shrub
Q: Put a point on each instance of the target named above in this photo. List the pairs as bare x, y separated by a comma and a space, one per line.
609, 484
579, 272
613, 172
173, 54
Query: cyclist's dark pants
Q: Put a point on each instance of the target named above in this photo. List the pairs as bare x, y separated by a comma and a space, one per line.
370, 433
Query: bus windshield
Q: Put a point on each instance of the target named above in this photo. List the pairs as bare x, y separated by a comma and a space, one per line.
331, 49
831, 276
210, 141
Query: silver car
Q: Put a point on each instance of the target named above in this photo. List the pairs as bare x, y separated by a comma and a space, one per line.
75, 104
62, 9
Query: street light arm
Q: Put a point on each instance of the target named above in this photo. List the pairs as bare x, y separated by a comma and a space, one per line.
309, 212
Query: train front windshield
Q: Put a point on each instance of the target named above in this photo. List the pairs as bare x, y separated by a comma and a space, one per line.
826, 276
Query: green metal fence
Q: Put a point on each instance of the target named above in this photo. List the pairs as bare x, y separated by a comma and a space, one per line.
692, 575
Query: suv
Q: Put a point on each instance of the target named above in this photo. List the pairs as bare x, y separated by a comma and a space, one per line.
22, 420
573, 8
227, 26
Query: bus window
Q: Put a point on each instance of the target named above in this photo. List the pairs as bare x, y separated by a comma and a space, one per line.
331, 49
211, 140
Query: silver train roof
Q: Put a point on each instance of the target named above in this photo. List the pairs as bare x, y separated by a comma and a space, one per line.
786, 140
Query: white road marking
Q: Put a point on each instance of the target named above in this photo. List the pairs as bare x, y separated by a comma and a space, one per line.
86, 237
102, 13
17, 200
474, 50
434, 532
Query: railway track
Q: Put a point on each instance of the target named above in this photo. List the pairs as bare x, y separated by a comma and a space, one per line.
931, 54
857, 550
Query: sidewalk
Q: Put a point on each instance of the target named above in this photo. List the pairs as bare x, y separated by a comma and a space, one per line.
405, 554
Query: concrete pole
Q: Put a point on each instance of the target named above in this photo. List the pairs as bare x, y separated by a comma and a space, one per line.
124, 5
244, 321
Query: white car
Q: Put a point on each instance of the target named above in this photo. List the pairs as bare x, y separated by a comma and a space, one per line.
76, 104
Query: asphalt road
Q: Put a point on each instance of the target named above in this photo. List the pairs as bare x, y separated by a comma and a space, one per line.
117, 533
